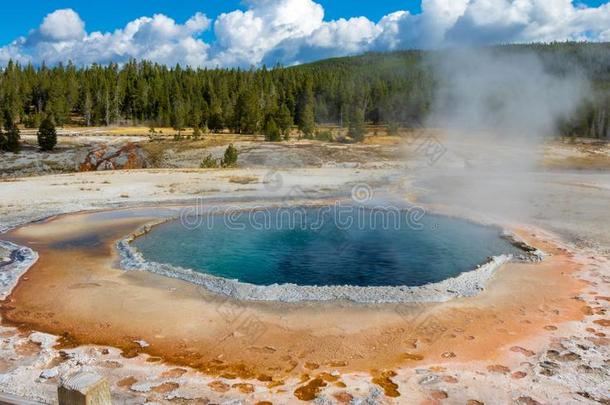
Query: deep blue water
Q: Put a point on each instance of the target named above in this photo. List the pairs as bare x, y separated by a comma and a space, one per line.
326, 246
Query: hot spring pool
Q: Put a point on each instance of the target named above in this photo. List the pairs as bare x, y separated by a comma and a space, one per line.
326, 246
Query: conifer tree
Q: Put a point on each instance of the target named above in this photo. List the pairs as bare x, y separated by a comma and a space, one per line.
272, 132
356, 129
230, 156
12, 134
178, 118
247, 112
2, 141
209, 162
196, 133
47, 135
12, 139
284, 120
307, 123
216, 122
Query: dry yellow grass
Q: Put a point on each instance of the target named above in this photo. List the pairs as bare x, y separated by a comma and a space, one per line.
580, 155
382, 140
592, 162
138, 130
164, 132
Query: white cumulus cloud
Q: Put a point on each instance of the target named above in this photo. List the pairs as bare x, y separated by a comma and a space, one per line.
62, 37
62, 25
245, 37
486, 21
340, 37
295, 31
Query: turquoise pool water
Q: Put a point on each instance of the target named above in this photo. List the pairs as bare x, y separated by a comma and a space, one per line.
326, 246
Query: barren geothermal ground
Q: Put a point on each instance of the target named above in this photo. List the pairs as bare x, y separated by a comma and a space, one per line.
530, 332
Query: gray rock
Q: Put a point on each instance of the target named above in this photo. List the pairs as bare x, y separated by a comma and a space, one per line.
49, 373
430, 379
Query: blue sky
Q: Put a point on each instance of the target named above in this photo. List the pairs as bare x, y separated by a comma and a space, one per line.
243, 33
108, 15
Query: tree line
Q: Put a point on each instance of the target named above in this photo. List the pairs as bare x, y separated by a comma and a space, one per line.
395, 89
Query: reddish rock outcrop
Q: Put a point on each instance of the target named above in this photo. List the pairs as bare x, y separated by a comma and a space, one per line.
111, 157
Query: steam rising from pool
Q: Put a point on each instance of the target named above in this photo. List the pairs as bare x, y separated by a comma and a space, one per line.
496, 108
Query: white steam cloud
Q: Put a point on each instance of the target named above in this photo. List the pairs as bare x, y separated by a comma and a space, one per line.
503, 92
495, 108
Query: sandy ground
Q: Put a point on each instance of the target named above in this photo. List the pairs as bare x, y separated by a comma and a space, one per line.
537, 334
